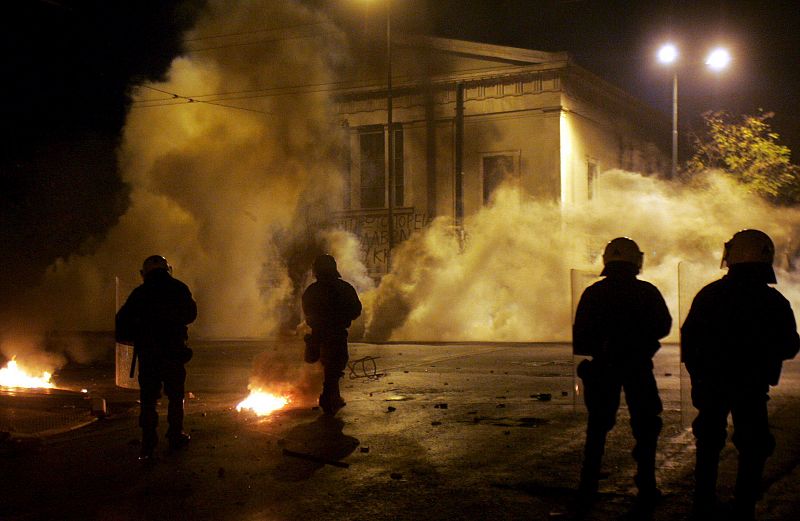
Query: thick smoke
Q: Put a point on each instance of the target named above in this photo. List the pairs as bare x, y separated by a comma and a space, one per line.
229, 196
510, 278
238, 200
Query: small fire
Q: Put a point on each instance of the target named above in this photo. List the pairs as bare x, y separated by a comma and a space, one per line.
263, 403
13, 376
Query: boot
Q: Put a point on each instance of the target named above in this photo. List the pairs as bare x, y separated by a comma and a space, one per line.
705, 478
645, 479
179, 440
149, 442
336, 403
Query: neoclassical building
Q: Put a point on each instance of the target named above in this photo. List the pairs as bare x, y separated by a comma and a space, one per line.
469, 116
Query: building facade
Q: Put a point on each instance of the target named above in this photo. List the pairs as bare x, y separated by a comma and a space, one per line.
467, 117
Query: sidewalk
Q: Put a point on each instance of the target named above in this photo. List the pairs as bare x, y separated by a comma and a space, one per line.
475, 431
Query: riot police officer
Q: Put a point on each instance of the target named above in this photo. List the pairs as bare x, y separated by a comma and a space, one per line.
618, 322
154, 319
330, 304
736, 336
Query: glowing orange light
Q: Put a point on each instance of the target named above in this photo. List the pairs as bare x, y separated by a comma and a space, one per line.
263, 403
14, 376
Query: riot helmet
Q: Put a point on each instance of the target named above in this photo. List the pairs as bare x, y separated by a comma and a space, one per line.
750, 247
154, 262
622, 249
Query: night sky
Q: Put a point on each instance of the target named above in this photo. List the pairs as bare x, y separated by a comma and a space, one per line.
68, 64
618, 41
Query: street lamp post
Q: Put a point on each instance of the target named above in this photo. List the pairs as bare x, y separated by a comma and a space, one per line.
717, 60
668, 54
390, 135
674, 124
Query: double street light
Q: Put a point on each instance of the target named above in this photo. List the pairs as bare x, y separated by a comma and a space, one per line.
668, 54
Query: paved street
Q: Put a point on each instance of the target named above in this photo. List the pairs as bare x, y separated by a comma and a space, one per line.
473, 431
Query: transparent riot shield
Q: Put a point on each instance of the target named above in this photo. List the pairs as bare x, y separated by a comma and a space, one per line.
691, 279
124, 353
579, 281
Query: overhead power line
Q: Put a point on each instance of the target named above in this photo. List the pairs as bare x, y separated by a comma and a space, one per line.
193, 100
285, 90
255, 94
257, 31
257, 42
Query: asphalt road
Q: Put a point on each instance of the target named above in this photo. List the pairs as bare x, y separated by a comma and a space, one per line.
472, 431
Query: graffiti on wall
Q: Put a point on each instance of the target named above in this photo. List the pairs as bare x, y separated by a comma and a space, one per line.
371, 228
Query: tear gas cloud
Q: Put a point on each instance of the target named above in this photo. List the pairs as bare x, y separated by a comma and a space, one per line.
221, 192
511, 278
237, 200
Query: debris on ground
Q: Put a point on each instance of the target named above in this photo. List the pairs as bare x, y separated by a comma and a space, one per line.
440, 406
435, 423
364, 368
391, 409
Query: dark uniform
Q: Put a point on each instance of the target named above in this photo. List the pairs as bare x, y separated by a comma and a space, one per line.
738, 332
154, 319
330, 304
618, 322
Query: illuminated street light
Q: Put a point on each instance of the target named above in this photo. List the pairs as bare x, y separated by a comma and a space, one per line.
718, 59
668, 55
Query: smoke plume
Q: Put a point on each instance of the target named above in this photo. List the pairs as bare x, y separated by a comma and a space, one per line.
229, 190
233, 180
510, 278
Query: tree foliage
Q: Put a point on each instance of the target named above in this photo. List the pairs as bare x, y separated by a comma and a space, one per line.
749, 151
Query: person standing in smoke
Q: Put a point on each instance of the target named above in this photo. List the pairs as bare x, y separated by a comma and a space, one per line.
154, 319
330, 304
619, 322
734, 340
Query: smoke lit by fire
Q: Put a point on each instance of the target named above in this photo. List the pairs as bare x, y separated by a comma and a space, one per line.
510, 279
229, 195
222, 191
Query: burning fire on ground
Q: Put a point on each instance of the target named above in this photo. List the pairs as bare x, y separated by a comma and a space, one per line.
263, 403
14, 376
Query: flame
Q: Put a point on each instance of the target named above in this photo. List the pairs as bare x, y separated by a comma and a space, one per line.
263, 403
13, 376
